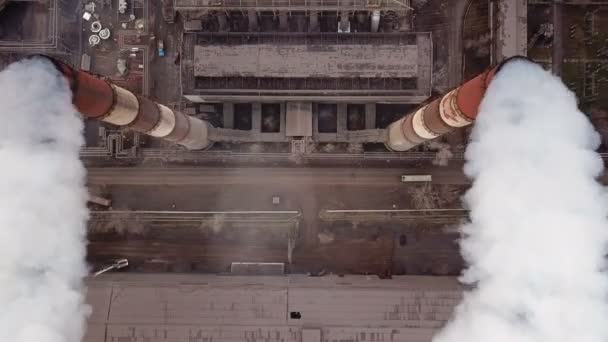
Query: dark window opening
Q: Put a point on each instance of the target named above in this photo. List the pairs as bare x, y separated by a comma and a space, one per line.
327, 115
271, 118
386, 114
242, 116
295, 315
355, 117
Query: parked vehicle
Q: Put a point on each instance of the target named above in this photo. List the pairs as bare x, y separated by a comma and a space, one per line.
416, 178
161, 48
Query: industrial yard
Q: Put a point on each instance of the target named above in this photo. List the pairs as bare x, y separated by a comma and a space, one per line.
287, 170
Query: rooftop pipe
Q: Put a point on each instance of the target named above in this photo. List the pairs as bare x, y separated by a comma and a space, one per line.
456, 109
98, 99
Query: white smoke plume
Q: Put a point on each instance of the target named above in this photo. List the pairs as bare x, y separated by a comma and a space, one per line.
538, 233
42, 207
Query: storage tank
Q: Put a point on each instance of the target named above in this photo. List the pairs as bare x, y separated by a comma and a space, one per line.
96, 98
458, 108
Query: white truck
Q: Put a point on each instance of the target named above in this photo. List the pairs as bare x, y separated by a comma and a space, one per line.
416, 178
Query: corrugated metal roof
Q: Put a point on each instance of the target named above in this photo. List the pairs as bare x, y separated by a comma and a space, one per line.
268, 60
373, 307
203, 305
193, 308
311, 335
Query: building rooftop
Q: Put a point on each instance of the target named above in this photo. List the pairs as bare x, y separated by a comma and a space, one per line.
222, 67
166, 308
300, 61
293, 5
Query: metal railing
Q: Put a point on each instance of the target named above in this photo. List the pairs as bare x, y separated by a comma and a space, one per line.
206, 155
95, 152
198, 216
168, 154
367, 215
294, 5
569, 2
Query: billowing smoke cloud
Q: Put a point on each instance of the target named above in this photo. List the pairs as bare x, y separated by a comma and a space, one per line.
42, 207
538, 233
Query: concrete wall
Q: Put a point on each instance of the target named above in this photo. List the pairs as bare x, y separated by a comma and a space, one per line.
511, 28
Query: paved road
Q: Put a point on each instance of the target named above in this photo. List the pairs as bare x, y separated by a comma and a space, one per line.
249, 176
274, 175
307, 190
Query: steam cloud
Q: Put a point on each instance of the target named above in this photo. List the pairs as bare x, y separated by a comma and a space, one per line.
42, 207
538, 233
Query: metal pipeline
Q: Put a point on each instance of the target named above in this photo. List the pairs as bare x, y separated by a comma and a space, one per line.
454, 110
97, 99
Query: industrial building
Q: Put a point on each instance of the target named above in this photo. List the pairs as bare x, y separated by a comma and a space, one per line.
247, 156
38, 26
294, 77
321, 67
294, 308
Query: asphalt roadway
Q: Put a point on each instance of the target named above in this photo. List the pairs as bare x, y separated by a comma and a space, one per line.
261, 176
175, 176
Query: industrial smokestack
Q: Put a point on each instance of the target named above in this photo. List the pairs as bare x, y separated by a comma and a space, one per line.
97, 99
537, 238
42, 207
456, 109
